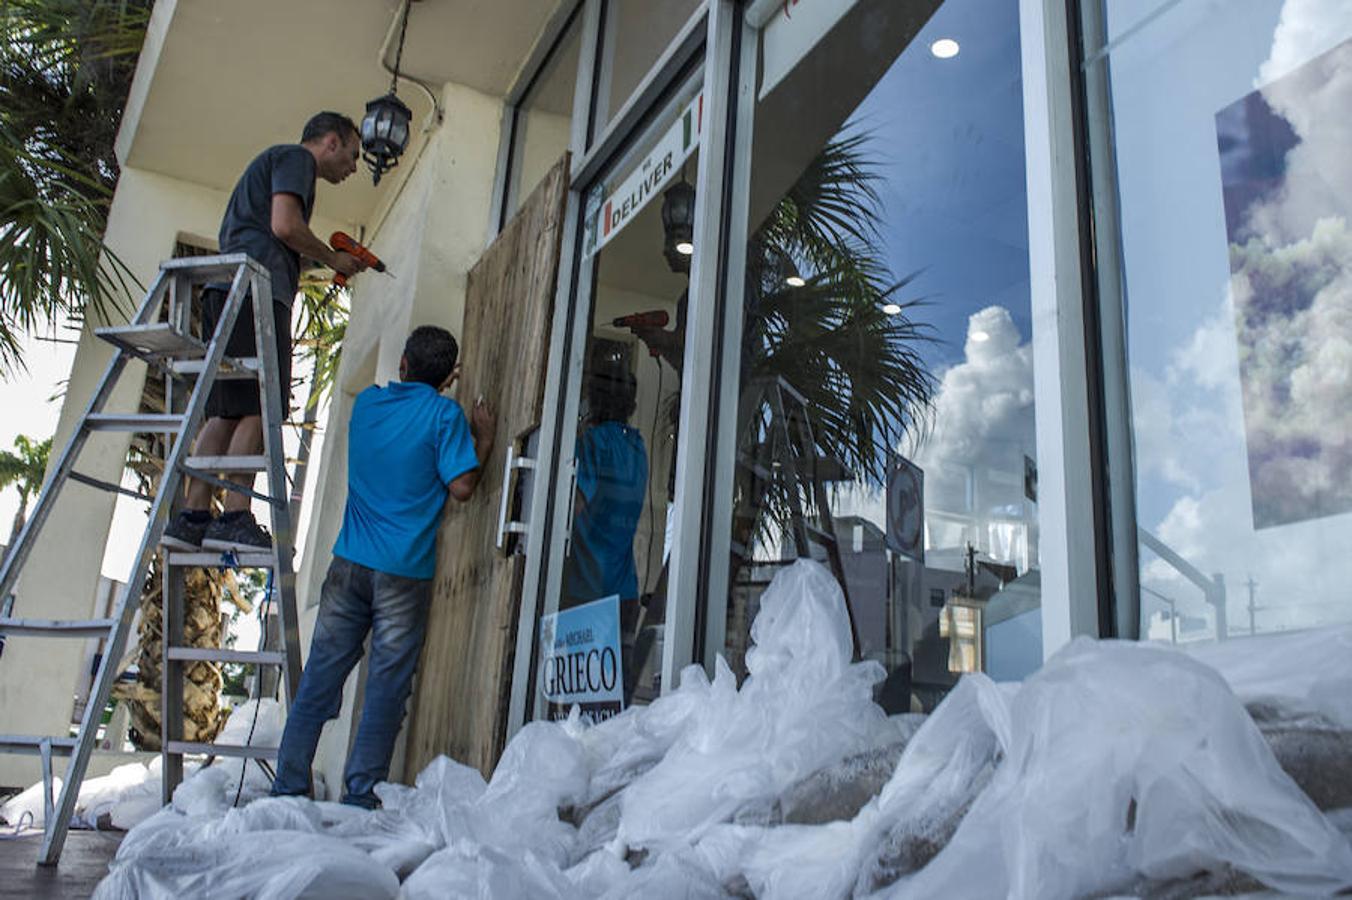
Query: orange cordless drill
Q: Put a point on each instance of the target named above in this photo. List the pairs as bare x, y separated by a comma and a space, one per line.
656, 318
345, 243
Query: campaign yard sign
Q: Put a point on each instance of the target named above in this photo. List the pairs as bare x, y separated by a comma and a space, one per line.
580, 660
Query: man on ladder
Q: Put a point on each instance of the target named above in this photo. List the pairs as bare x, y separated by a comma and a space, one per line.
268, 218
266, 225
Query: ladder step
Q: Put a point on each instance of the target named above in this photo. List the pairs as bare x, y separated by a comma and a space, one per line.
148, 422
211, 559
210, 268
221, 464
157, 339
231, 369
188, 747
217, 654
32, 744
61, 628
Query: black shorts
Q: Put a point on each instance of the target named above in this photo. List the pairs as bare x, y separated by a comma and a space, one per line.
237, 398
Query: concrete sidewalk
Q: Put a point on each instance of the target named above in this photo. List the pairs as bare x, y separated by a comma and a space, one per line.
84, 862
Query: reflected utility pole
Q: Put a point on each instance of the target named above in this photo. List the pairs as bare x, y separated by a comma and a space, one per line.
1253, 608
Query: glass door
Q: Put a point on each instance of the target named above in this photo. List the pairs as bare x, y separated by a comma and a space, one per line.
603, 624
884, 384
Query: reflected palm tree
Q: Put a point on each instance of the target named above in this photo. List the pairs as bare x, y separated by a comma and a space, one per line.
826, 316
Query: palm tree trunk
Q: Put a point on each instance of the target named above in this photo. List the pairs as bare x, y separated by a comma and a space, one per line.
20, 518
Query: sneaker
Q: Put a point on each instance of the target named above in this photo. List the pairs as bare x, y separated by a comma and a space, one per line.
185, 530
237, 531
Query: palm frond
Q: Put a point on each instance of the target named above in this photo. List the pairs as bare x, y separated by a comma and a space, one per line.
25, 466
65, 68
323, 327
836, 339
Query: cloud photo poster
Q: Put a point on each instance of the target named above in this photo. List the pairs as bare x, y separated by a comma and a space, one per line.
1288, 199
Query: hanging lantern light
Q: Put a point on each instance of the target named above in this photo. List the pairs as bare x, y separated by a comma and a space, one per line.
384, 128
678, 221
384, 133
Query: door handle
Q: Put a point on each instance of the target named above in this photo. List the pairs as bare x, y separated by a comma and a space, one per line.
506, 525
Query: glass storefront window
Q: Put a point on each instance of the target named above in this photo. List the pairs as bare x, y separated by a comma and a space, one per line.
636, 248
1234, 187
544, 119
636, 34
885, 396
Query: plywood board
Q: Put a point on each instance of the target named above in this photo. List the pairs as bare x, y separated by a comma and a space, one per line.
464, 679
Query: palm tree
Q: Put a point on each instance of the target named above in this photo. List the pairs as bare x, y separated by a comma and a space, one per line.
65, 69
320, 336
323, 326
24, 468
844, 338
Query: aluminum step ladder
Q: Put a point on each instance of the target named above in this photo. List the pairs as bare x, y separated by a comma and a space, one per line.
779, 452
160, 335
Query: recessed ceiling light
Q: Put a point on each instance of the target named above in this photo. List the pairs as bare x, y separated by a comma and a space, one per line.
891, 309
945, 48
980, 336
685, 248
795, 281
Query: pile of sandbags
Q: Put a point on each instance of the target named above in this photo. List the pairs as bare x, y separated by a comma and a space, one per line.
1116, 769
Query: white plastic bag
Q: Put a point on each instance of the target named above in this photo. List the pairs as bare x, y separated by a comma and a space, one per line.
27, 808
1296, 675
484, 873
267, 865
943, 767
804, 705
1124, 760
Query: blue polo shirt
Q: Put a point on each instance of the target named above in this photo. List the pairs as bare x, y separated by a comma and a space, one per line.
405, 444
612, 477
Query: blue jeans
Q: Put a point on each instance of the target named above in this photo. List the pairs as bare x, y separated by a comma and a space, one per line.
355, 600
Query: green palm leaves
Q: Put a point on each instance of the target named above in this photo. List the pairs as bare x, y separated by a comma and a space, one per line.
65, 68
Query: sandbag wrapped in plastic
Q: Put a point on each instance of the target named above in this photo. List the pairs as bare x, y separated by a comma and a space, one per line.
1298, 676
804, 705
274, 848
27, 809
488, 874
623, 747
944, 766
267, 865
122, 799
1122, 761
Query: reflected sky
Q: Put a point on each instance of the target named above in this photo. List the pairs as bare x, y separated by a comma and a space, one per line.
1170, 79
948, 140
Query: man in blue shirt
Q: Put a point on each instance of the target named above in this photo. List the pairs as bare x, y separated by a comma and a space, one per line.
612, 480
612, 477
408, 446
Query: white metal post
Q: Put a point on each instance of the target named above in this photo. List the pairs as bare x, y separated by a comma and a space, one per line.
1065, 488
684, 585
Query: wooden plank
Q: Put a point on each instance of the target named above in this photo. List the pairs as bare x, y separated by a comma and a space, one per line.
464, 679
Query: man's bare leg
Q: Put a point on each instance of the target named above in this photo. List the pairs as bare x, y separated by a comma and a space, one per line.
247, 440
213, 439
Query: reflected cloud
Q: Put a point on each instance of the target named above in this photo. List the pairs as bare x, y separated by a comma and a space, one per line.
983, 412
973, 456
1288, 190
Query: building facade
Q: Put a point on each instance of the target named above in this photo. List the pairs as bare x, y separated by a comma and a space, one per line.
1028, 318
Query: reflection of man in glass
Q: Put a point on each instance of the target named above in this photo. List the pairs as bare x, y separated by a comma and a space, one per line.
612, 478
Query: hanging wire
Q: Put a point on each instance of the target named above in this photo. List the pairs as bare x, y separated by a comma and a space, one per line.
399, 54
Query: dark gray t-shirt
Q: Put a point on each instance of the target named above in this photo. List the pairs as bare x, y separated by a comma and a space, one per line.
247, 226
